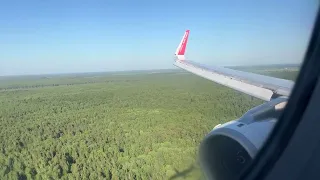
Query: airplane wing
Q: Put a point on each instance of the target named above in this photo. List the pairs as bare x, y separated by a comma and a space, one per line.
259, 86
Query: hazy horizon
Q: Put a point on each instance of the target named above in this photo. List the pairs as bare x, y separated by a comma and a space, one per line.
149, 70
38, 37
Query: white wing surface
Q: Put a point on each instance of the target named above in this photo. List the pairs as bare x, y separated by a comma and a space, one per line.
259, 86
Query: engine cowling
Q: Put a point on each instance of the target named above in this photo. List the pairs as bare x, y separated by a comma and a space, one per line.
230, 147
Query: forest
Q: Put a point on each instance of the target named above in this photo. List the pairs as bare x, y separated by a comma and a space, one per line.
111, 126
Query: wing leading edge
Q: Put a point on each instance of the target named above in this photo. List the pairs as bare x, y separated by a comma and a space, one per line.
259, 86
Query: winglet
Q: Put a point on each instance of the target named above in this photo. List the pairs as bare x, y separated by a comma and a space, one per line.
182, 46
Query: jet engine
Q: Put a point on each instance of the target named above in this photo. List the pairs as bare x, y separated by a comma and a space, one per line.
230, 147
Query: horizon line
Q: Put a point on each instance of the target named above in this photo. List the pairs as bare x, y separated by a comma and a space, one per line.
117, 71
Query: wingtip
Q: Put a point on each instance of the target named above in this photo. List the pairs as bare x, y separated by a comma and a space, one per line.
182, 46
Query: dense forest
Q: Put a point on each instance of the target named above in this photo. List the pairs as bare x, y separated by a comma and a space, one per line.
106, 126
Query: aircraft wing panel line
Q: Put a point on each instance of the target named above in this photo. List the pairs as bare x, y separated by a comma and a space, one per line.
252, 90
272, 83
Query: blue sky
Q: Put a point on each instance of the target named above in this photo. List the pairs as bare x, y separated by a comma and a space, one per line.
40, 37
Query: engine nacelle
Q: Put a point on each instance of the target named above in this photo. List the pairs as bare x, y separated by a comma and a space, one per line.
230, 147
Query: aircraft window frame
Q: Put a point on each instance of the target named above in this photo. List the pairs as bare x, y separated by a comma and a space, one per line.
292, 116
